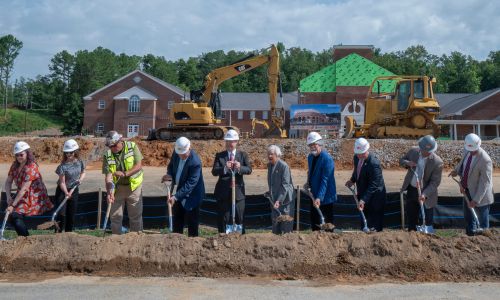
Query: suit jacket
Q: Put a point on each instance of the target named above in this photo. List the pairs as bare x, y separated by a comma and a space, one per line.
370, 184
322, 180
190, 188
280, 182
479, 182
222, 190
433, 171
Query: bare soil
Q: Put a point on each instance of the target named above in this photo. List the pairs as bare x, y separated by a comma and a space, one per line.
387, 256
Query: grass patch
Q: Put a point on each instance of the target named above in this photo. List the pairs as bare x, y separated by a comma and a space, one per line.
35, 120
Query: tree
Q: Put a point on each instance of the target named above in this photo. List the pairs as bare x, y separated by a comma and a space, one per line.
73, 115
490, 71
460, 73
62, 66
9, 50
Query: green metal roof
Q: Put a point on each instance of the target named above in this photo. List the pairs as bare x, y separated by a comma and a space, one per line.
352, 70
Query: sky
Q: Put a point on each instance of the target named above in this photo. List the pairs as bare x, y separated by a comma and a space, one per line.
182, 29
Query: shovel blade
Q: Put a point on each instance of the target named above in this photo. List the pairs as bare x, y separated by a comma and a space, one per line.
235, 228
425, 229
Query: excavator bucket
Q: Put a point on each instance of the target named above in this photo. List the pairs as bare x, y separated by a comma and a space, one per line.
350, 125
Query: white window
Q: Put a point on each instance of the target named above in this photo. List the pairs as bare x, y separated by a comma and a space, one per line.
265, 115
99, 128
252, 114
133, 130
102, 104
240, 115
223, 114
170, 104
134, 104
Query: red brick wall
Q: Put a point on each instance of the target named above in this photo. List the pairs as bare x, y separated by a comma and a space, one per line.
117, 116
318, 98
341, 53
488, 109
346, 94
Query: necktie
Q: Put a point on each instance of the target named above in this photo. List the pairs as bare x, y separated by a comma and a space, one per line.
360, 165
465, 177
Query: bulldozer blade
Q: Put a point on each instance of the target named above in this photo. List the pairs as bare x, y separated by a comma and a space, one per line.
350, 125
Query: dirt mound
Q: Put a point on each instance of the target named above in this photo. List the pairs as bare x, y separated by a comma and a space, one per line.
385, 256
295, 151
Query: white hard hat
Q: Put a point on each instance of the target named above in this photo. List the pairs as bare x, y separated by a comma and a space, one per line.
361, 145
70, 146
313, 137
231, 135
112, 138
428, 143
182, 145
20, 147
472, 142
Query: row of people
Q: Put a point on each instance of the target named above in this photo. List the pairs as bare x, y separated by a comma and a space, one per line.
122, 167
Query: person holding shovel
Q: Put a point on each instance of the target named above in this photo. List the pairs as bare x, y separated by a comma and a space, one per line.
225, 163
185, 169
476, 172
428, 167
122, 167
31, 198
279, 182
367, 175
71, 172
320, 181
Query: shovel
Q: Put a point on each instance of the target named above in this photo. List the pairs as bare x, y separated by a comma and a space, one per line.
53, 222
422, 228
281, 219
365, 224
5, 218
238, 228
170, 189
108, 210
323, 226
477, 229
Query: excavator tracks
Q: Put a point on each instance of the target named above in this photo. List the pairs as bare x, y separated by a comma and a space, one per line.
396, 126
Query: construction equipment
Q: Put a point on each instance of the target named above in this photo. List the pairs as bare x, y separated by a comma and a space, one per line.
5, 218
53, 222
365, 224
476, 229
199, 117
170, 189
255, 122
323, 226
422, 228
234, 227
408, 111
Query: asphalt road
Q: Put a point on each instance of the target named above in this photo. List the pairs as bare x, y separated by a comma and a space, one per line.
90, 287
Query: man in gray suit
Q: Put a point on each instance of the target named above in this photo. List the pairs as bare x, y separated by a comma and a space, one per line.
476, 171
429, 167
279, 181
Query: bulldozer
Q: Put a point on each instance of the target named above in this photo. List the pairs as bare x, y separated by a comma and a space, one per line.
408, 111
200, 116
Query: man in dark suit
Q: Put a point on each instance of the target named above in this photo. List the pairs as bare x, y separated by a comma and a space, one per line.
429, 168
185, 170
225, 162
367, 175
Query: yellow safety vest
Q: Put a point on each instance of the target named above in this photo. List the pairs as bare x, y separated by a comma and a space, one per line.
136, 179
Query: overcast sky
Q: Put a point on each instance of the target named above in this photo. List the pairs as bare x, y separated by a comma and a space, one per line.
181, 29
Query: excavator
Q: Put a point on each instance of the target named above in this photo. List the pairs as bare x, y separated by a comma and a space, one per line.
409, 110
199, 117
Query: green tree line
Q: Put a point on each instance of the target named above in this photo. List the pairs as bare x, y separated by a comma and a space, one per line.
74, 75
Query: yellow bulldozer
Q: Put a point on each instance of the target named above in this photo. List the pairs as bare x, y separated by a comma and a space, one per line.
408, 111
200, 116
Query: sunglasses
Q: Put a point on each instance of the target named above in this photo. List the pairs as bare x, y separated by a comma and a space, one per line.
69, 153
19, 154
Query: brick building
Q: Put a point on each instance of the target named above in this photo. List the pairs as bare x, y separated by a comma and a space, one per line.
138, 101
131, 105
347, 79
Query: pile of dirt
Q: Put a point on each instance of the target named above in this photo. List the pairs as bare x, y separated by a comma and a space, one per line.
387, 256
295, 151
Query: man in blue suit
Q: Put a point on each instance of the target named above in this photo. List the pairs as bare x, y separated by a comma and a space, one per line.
320, 180
367, 175
185, 171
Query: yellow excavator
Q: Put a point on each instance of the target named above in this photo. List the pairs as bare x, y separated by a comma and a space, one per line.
408, 111
199, 117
